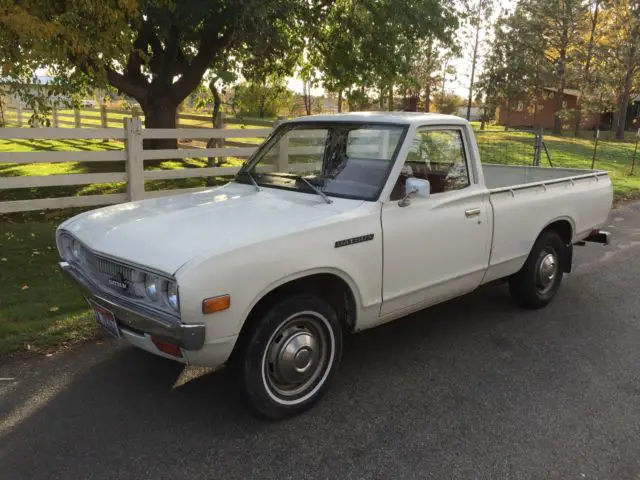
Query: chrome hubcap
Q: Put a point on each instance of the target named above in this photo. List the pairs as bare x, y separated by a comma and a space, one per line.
296, 356
547, 271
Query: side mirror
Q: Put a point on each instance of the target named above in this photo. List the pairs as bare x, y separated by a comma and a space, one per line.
415, 187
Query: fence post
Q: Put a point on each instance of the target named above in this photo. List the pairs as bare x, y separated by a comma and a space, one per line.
104, 121
76, 114
103, 116
595, 149
537, 149
54, 116
19, 115
635, 151
282, 164
135, 161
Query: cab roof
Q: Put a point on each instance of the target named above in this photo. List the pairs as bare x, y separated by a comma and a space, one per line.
401, 118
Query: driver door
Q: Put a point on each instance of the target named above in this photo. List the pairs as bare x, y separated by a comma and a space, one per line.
435, 248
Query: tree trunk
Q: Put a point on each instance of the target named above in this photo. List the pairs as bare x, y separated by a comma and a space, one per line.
557, 120
427, 98
587, 68
214, 142
340, 100
390, 98
160, 114
473, 65
624, 100
560, 76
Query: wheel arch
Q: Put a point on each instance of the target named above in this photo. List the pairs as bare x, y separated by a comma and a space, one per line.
563, 226
328, 280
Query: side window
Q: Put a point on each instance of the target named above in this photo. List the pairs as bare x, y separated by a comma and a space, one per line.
438, 156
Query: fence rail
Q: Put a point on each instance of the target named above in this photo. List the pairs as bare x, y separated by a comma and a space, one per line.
128, 155
132, 155
101, 116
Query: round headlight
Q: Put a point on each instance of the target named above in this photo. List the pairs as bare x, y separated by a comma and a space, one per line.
172, 295
152, 286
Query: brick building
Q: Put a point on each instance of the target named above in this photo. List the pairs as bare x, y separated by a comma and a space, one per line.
523, 113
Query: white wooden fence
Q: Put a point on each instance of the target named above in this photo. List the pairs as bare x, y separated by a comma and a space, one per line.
305, 146
133, 154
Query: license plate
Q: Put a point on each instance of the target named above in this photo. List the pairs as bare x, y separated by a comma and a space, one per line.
105, 318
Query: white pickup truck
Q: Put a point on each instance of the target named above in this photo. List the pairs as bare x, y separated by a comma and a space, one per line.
336, 224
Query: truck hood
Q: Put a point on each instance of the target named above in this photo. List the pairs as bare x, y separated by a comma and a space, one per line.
166, 232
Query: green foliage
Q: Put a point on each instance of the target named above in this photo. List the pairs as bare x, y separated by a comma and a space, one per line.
447, 103
156, 51
262, 100
367, 43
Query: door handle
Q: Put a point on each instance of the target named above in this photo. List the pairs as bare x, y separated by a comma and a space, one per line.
472, 212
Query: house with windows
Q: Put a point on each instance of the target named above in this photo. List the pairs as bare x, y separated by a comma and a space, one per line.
525, 112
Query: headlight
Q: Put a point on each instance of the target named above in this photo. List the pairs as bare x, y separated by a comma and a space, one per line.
72, 250
172, 296
152, 285
76, 250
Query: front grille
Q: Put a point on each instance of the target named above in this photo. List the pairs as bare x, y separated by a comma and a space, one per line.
108, 267
103, 270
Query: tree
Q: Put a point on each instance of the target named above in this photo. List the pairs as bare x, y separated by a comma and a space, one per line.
625, 51
424, 73
510, 72
553, 31
262, 100
478, 21
585, 54
155, 51
447, 103
371, 43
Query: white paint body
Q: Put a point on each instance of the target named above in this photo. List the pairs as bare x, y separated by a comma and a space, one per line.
238, 241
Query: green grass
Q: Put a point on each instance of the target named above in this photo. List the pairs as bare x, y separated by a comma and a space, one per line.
614, 156
40, 308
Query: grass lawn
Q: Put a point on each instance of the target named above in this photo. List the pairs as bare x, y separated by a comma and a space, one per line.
40, 308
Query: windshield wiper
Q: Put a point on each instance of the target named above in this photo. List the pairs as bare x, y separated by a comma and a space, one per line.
301, 178
314, 188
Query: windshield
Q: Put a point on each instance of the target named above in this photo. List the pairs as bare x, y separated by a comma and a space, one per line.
349, 160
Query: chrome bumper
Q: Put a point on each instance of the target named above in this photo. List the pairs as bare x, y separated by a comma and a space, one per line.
139, 318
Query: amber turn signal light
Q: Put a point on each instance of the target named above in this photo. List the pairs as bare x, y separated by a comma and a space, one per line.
216, 304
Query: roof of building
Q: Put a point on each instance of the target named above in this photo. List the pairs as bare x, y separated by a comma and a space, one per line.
402, 118
572, 92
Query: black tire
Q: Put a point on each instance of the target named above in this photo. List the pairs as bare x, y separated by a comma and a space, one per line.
295, 334
527, 286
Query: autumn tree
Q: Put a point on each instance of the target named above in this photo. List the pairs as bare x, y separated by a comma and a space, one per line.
624, 48
586, 53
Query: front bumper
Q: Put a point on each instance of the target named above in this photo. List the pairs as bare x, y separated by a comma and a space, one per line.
140, 319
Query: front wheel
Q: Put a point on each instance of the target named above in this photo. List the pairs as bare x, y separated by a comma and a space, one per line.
539, 279
291, 355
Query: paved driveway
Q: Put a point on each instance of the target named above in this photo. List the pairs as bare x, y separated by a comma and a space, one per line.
475, 388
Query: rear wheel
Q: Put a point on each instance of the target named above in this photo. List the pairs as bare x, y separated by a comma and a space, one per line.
539, 279
291, 355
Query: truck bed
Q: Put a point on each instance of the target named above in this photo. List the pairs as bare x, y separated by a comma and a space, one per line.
509, 176
525, 200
